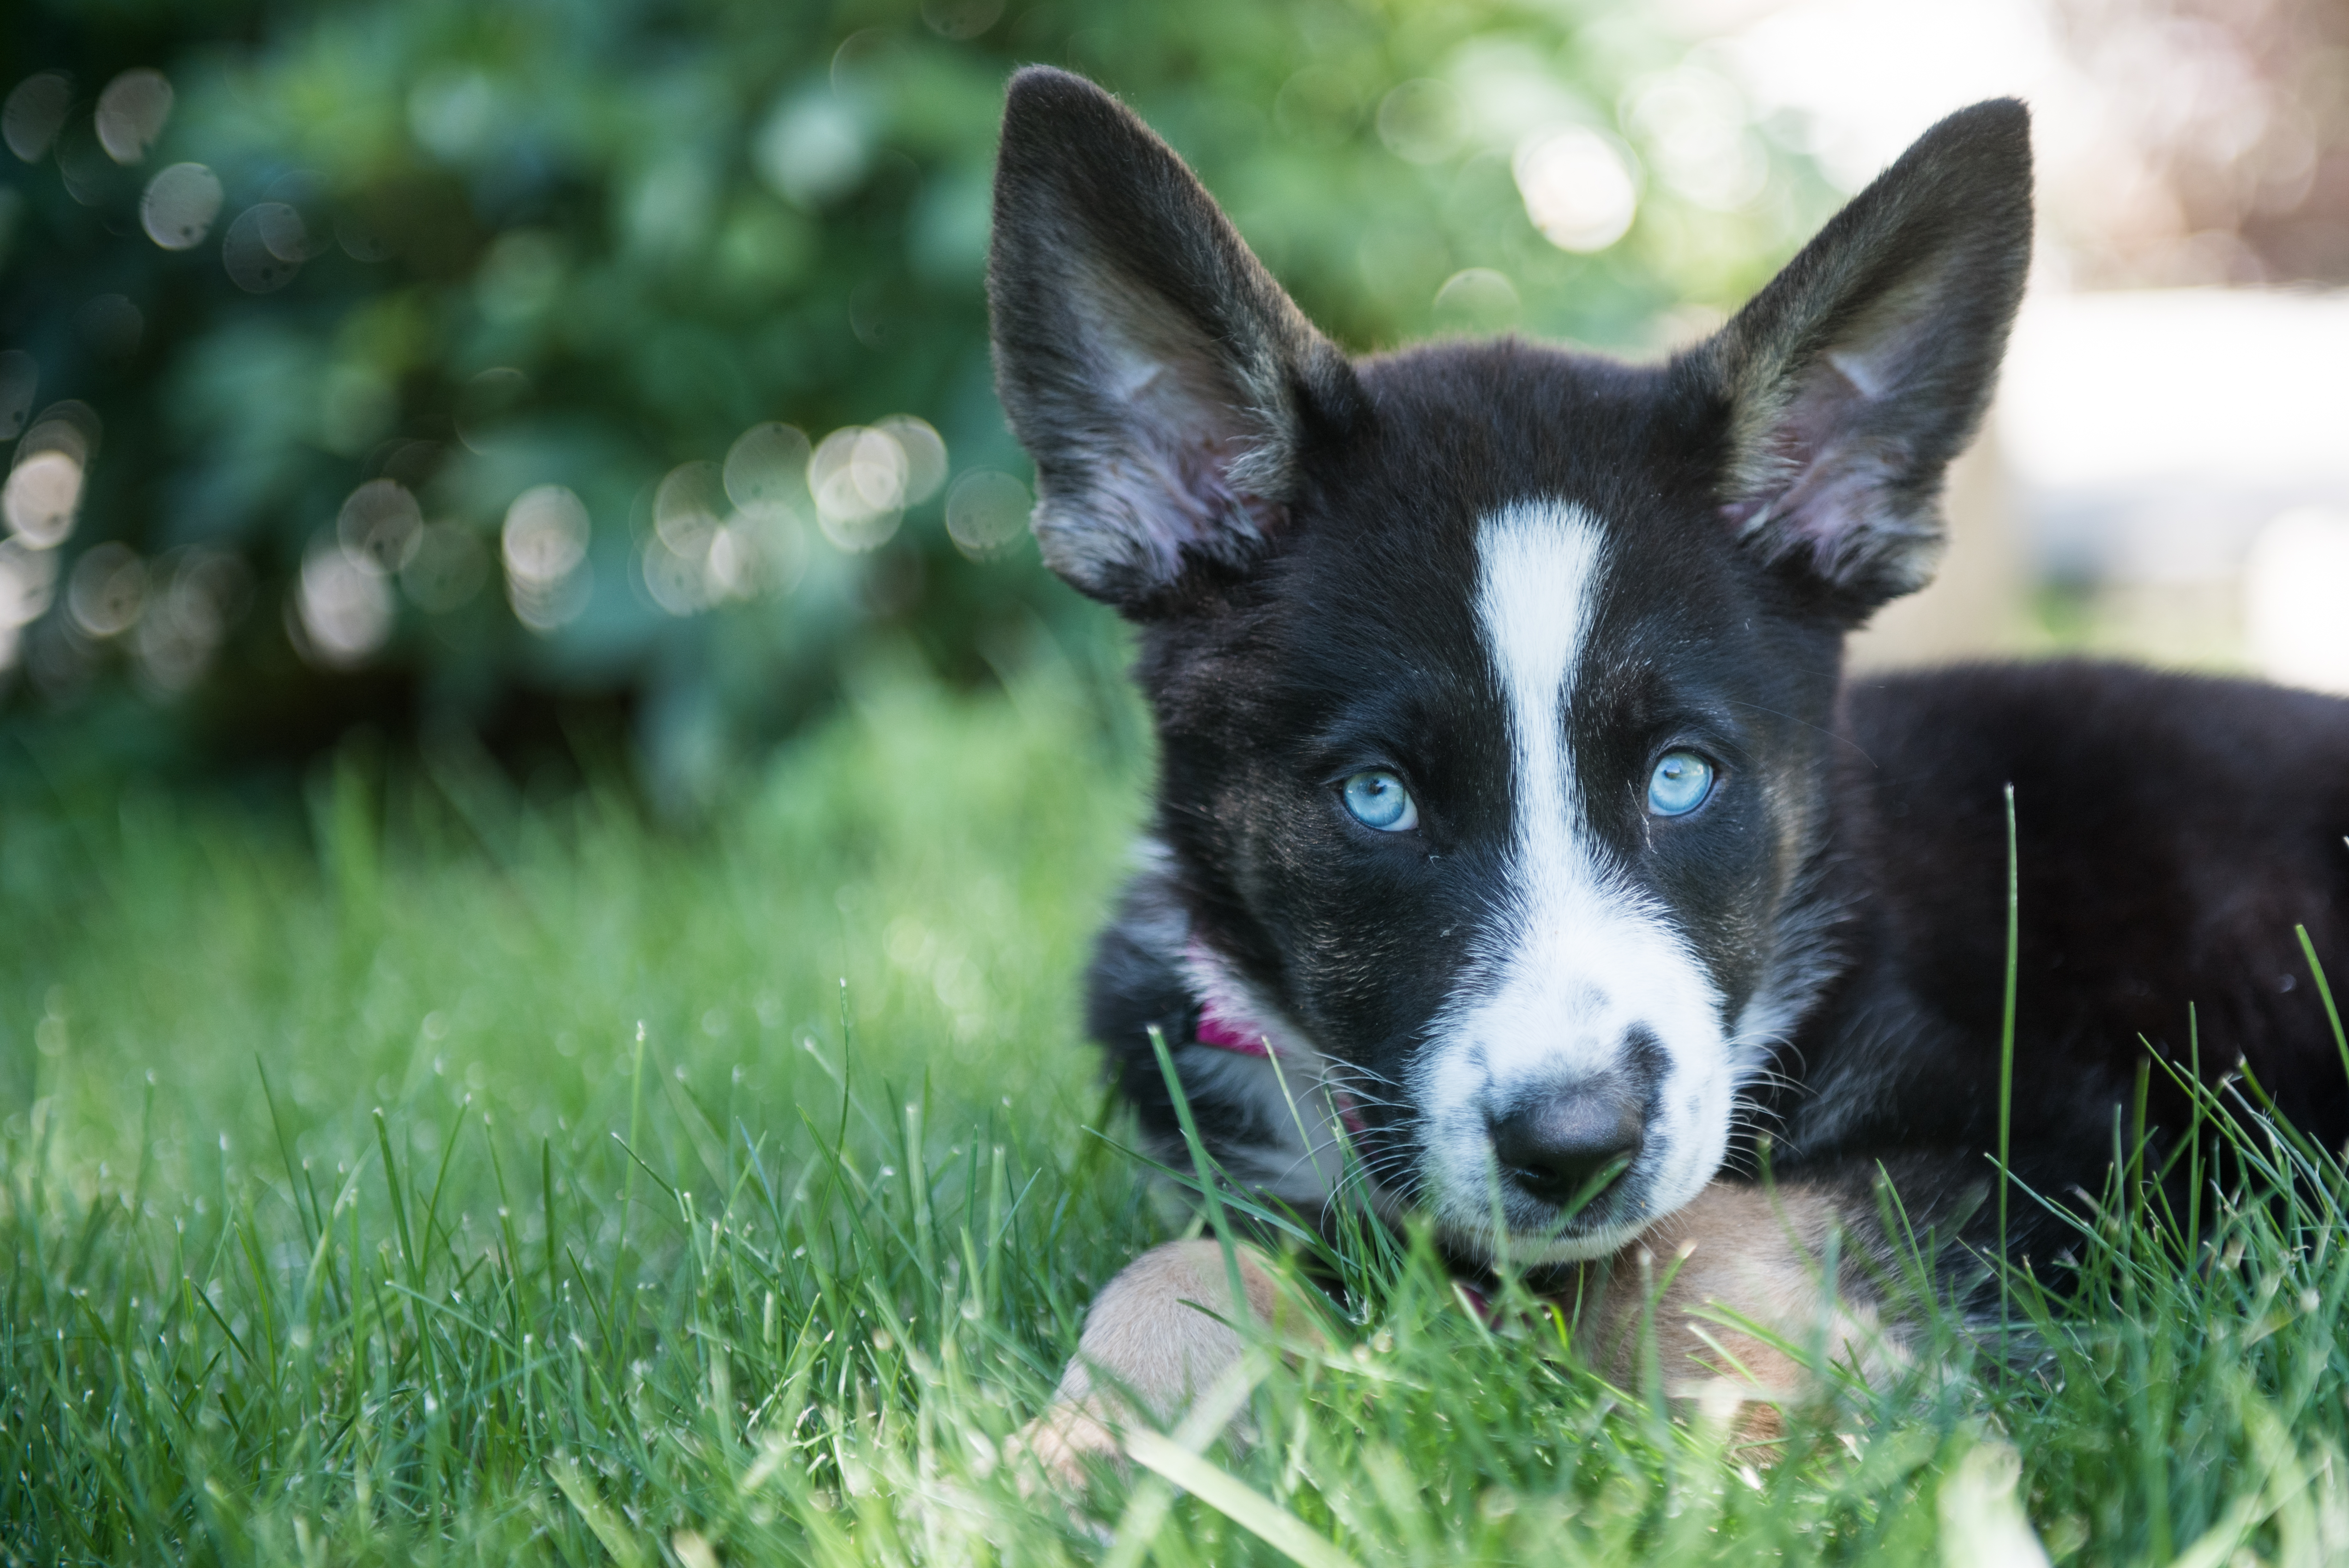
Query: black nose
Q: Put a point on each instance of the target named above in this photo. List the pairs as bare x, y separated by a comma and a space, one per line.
1569, 1145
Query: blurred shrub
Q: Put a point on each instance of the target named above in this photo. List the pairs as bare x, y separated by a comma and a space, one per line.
482, 369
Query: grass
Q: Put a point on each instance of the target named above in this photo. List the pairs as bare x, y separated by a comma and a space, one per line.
455, 1178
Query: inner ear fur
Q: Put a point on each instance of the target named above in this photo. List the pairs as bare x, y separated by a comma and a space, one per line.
1852, 379
1160, 378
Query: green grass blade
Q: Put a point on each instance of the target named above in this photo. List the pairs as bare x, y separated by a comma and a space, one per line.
2006, 1046
2325, 990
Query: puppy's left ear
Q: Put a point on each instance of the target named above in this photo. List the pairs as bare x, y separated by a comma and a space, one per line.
1853, 378
1163, 382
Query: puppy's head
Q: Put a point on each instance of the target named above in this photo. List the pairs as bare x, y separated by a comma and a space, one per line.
1493, 682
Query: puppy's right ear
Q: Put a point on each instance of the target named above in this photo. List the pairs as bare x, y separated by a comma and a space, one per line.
1852, 379
1160, 378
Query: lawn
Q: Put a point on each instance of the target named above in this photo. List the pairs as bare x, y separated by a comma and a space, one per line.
448, 1174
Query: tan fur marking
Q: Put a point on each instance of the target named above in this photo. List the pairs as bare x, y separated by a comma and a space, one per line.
1148, 1335
1756, 1254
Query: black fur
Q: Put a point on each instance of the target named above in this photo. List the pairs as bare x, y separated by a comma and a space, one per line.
2172, 832
1298, 539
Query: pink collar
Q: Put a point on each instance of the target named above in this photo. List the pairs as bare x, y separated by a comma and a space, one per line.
1226, 1034
1222, 1033
1216, 1030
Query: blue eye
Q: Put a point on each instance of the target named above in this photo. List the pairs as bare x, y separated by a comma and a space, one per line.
1378, 799
1680, 784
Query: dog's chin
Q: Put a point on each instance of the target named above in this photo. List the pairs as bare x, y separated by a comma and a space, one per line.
1538, 1249
1532, 1236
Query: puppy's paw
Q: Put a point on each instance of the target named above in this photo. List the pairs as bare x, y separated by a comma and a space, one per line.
1063, 1441
1748, 1419
1730, 1287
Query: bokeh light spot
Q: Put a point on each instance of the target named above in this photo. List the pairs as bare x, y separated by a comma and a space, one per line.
1421, 121
42, 497
1578, 186
521, 276
986, 511
960, 19
251, 252
858, 476
71, 426
545, 551
445, 569
108, 588
193, 596
359, 237
283, 230
132, 112
93, 180
1693, 123
181, 206
731, 564
34, 113
452, 111
380, 525
702, 554
1476, 299
766, 469
688, 505
355, 406
343, 610
678, 583
925, 455
812, 149
486, 402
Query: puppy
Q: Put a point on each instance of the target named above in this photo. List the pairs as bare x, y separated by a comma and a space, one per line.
1520, 855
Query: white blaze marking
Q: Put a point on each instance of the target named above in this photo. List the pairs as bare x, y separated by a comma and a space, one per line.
1538, 571
1578, 958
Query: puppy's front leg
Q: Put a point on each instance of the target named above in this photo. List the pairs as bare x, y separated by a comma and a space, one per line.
1761, 1254
1159, 1332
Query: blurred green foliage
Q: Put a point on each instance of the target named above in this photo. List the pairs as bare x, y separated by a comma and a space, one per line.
475, 250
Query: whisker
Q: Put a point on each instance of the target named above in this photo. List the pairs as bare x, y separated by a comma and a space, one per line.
1806, 724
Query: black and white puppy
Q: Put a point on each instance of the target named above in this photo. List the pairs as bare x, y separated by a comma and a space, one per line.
1514, 822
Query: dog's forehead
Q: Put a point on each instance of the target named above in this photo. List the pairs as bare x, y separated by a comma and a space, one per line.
1488, 423
1395, 537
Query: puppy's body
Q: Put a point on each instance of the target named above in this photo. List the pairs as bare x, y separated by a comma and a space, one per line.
2172, 832
1515, 829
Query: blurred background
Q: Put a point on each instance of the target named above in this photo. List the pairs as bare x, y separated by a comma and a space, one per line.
557, 387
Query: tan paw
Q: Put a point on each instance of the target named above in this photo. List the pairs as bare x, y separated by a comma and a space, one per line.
1749, 1420
1062, 1441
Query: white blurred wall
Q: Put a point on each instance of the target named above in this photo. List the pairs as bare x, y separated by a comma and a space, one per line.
2177, 460
2166, 473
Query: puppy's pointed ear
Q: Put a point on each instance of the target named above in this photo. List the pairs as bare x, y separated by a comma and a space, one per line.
1160, 378
1853, 378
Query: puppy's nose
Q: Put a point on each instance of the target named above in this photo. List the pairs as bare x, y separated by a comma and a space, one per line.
1557, 1146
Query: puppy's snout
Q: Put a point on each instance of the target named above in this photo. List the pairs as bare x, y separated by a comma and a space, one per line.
1566, 1145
